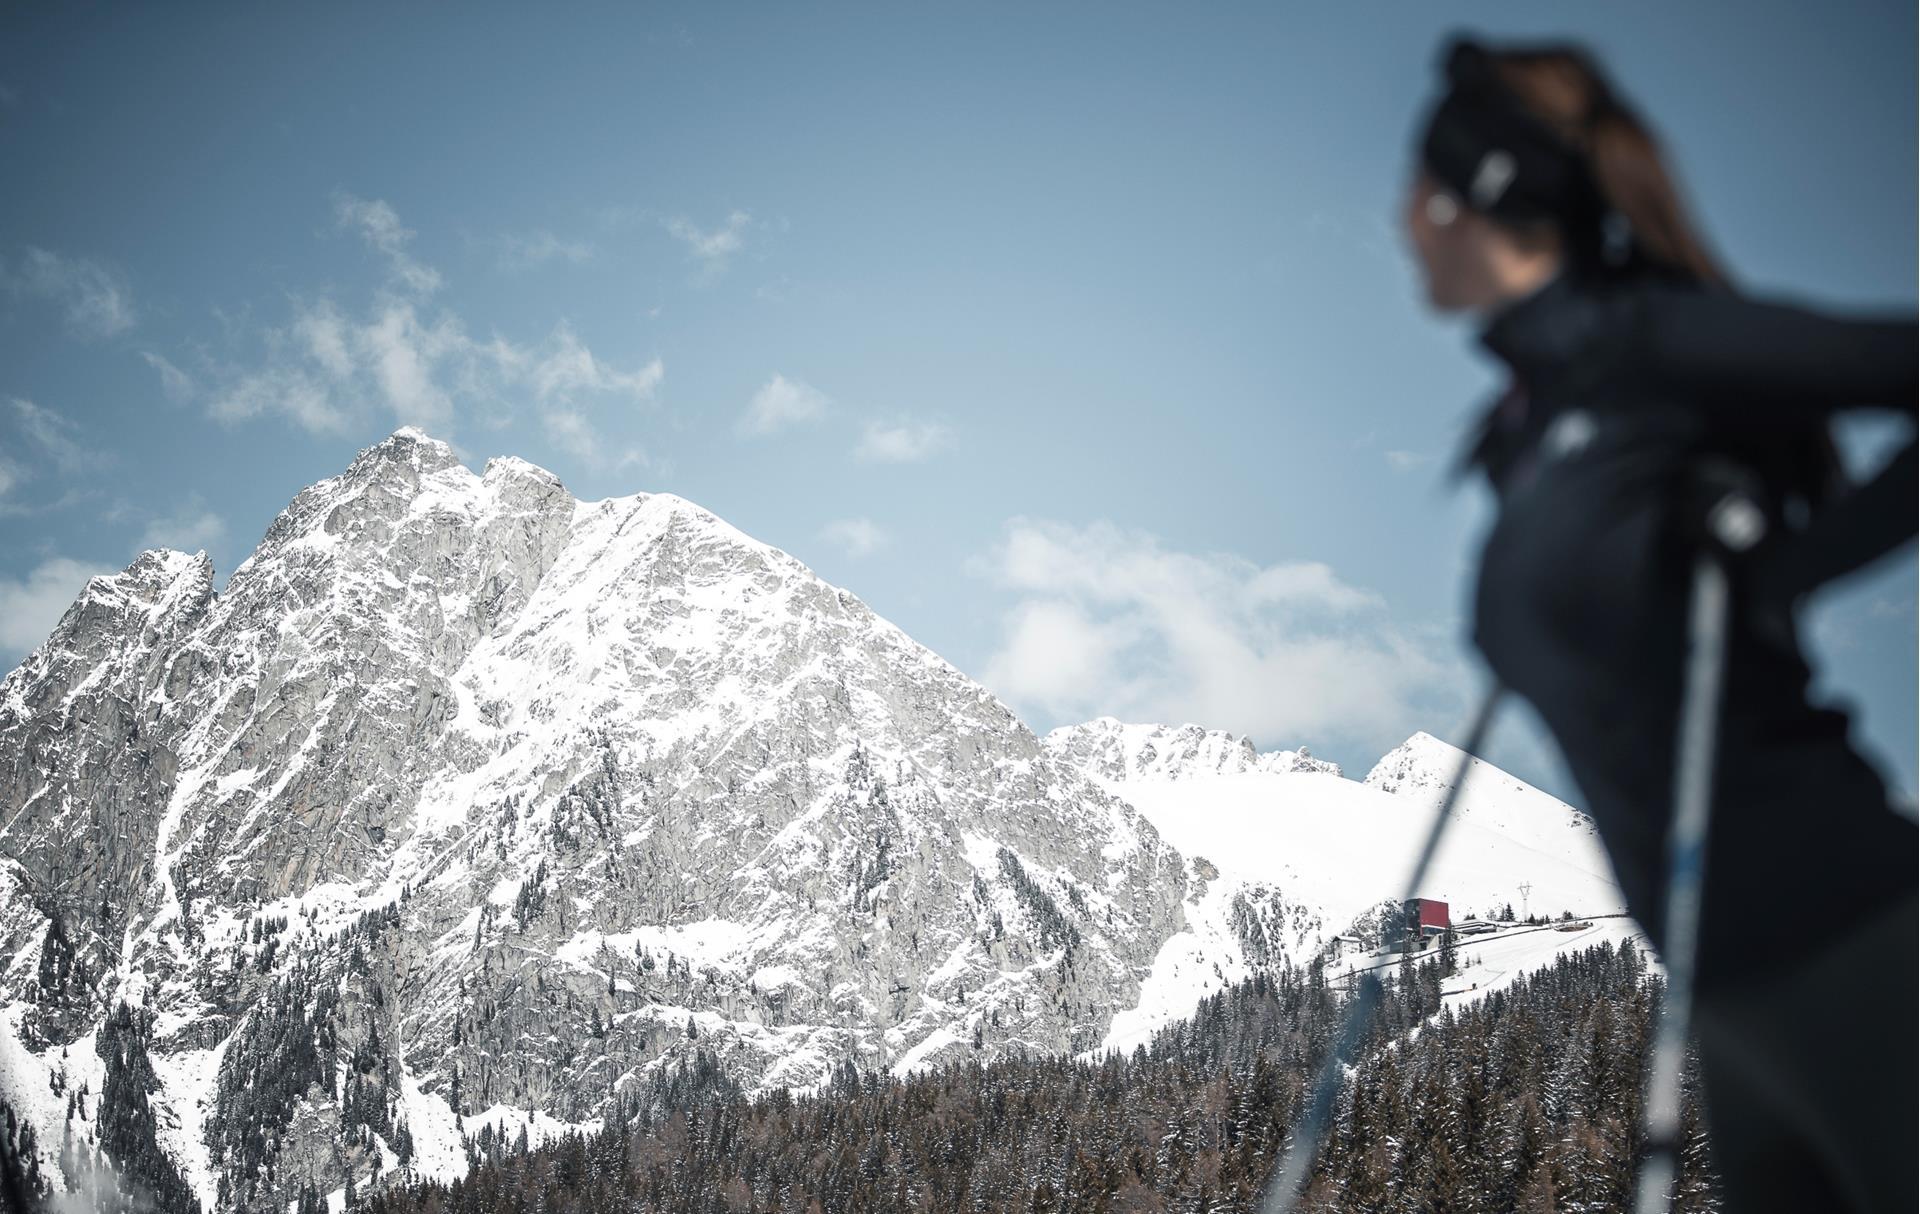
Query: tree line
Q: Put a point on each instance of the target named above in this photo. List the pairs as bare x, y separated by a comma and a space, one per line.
1527, 1099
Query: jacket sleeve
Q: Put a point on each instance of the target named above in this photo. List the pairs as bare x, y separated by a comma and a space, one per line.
1766, 364
1855, 530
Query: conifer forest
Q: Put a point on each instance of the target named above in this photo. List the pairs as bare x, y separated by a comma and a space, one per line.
1527, 1099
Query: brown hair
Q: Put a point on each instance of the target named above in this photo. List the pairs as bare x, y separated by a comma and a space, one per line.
1563, 88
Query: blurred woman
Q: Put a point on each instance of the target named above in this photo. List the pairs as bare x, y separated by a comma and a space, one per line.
1541, 203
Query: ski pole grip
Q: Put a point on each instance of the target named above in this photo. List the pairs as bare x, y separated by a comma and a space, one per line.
1727, 507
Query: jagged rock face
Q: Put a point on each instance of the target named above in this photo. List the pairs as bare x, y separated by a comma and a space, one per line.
1117, 751
86, 754
536, 792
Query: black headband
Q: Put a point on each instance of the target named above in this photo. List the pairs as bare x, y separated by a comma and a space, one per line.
1483, 144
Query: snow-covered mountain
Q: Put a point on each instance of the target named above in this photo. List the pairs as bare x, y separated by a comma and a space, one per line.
1424, 768
1118, 752
465, 803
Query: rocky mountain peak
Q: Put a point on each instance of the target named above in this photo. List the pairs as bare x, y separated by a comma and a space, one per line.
508, 799
1421, 762
409, 446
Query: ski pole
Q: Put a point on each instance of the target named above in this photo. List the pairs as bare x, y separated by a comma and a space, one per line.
1289, 1179
1734, 523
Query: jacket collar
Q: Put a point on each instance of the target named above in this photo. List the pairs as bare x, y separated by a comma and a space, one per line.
1532, 336
1541, 332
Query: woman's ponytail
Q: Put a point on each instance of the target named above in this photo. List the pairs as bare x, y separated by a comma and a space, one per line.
1646, 220
1627, 166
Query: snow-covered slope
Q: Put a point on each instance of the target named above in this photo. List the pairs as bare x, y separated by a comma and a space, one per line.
1423, 767
1319, 852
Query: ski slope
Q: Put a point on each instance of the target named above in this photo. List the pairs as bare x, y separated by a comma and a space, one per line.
1342, 847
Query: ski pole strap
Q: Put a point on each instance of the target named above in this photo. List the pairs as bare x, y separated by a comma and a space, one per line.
1289, 1179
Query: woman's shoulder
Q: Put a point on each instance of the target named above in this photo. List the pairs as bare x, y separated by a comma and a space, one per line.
1633, 308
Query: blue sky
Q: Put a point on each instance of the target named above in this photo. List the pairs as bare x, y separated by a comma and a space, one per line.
1076, 339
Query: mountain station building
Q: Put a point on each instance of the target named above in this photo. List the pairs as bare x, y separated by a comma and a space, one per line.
1427, 917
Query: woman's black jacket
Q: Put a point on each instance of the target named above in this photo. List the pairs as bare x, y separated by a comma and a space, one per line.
1620, 389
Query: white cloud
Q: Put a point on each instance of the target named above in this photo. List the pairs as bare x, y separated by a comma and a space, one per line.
856, 536
713, 248
95, 298
283, 389
1062, 658
30, 606
417, 360
45, 440
565, 372
379, 224
1109, 621
901, 442
1310, 583
177, 384
400, 352
325, 338
192, 527
539, 247
779, 404
572, 432
567, 369
1407, 461
54, 435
